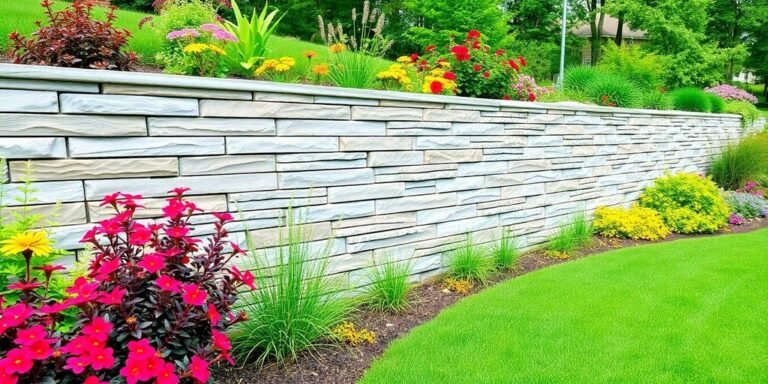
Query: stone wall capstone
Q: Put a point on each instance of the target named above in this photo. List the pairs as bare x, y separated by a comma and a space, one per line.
381, 174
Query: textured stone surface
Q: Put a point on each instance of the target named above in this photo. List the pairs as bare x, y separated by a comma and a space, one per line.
226, 165
32, 148
161, 126
28, 101
127, 105
71, 125
273, 110
383, 172
66, 169
146, 146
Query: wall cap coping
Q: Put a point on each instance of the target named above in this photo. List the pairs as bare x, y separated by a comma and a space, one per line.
34, 72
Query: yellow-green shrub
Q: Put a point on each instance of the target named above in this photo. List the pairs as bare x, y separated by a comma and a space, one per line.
688, 203
636, 223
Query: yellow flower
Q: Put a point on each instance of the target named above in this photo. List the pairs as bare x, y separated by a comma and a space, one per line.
321, 69
216, 49
444, 64
338, 48
280, 67
404, 59
196, 48
36, 242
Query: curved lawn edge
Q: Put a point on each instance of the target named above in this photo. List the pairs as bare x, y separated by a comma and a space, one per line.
682, 311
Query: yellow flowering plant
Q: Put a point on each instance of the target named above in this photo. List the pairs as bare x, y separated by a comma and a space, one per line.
276, 69
636, 223
396, 77
202, 50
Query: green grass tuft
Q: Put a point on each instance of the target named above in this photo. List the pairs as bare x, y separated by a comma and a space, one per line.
571, 236
691, 100
388, 286
506, 251
739, 163
717, 102
614, 90
578, 78
470, 262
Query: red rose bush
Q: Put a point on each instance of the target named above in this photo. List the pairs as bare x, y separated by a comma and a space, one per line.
153, 308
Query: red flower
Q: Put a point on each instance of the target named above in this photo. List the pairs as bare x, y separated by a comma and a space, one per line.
110, 199
450, 76
193, 295
7, 378
436, 87
18, 361
152, 262
25, 286
98, 329
76, 364
221, 341
167, 375
29, 336
506, 97
473, 34
136, 370
140, 235
486, 74
500, 52
414, 57
113, 298
89, 236
461, 52
522, 61
106, 269
213, 314
39, 350
48, 269
102, 358
198, 368
111, 227
168, 284
179, 192
177, 232
174, 209
223, 216
477, 67
93, 380
77, 345
14, 316
514, 65
246, 277
531, 97
141, 349
430, 48
236, 248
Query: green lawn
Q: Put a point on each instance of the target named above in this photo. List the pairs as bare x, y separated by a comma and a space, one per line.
20, 15
691, 311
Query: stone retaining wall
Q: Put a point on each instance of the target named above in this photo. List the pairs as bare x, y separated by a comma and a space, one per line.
389, 174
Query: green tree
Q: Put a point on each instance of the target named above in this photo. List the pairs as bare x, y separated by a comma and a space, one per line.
732, 24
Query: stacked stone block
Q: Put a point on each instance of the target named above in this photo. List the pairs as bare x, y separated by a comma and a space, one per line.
382, 175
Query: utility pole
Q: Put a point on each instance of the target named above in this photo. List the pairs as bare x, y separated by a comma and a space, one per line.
564, 22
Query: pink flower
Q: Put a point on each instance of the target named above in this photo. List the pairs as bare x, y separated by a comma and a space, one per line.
76, 364
174, 209
193, 295
177, 232
18, 361
167, 375
28, 336
98, 328
198, 368
182, 33
223, 216
243, 277
113, 298
101, 358
107, 268
213, 314
15, 315
152, 262
141, 349
221, 341
39, 350
168, 284
140, 235
224, 35
93, 380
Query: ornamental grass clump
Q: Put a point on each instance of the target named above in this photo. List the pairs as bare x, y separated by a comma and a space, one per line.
740, 163
506, 252
717, 103
297, 304
688, 203
636, 223
154, 305
691, 100
613, 90
470, 262
576, 233
388, 286
72, 37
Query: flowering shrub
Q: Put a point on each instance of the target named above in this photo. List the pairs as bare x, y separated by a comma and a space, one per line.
731, 93
636, 223
688, 203
745, 204
200, 50
154, 306
753, 188
472, 68
526, 89
275, 69
72, 38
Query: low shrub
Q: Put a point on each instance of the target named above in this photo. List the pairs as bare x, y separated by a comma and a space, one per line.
717, 103
73, 38
745, 204
656, 100
688, 203
470, 262
155, 304
636, 223
691, 100
578, 78
642, 68
613, 90
460, 286
576, 233
180, 15
352, 335
731, 93
748, 112
297, 304
740, 163
200, 50
506, 251
388, 286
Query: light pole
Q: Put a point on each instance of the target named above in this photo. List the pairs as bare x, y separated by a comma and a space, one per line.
564, 22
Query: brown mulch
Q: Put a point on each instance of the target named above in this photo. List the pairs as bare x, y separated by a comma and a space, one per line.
345, 365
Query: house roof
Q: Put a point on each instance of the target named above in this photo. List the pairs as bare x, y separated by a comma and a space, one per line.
610, 26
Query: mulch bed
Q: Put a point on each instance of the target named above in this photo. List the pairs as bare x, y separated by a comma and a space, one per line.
345, 365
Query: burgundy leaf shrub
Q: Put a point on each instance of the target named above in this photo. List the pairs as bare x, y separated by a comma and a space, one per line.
73, 38
153, 308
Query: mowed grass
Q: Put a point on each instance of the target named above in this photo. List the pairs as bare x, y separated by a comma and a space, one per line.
20, 15
690, 311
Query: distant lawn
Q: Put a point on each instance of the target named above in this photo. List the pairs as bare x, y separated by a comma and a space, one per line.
20, 15
690, 311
